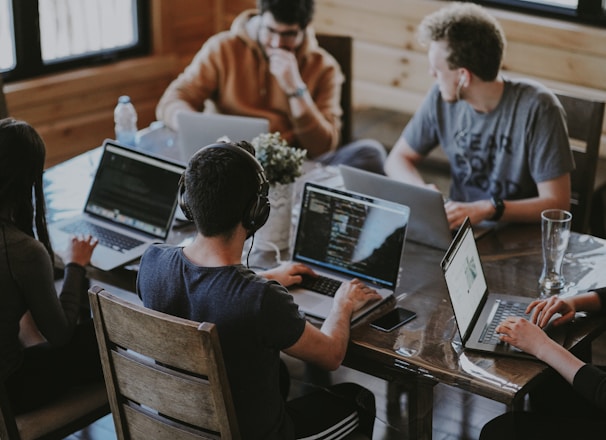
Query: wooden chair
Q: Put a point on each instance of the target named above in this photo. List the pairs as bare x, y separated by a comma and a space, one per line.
585, 118
165, 375
3, 106
70, 413
341, 48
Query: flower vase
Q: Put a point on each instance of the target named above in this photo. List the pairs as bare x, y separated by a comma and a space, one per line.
275, 234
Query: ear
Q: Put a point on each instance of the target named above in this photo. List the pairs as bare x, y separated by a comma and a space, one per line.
464, 77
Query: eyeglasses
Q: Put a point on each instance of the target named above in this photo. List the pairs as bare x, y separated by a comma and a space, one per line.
289, 36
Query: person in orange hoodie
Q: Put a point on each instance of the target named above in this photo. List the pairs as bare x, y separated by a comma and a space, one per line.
269, 65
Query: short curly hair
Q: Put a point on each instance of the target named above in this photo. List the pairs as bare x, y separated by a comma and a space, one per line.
475, 38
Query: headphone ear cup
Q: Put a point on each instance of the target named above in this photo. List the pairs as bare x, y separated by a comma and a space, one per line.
182, 199
257, 214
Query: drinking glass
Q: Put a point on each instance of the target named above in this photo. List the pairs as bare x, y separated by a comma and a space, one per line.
555, 227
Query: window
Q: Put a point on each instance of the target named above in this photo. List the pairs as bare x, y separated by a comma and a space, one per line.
45, 36
582, 11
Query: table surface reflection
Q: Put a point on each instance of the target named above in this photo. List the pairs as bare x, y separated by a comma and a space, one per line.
426, 350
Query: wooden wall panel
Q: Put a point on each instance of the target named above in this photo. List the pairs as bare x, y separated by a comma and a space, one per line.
391, 68
73, 110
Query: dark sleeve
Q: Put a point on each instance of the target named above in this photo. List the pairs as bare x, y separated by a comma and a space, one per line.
602, 295
590, 381
282, 320
55, 317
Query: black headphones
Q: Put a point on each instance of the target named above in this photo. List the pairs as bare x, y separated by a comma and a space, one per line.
255, 215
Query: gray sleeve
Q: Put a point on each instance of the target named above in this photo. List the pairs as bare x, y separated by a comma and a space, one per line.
421, 131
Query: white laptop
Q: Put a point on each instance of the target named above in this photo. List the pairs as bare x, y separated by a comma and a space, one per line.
428, 224
477, 312
131, 204
344, 235
198, 129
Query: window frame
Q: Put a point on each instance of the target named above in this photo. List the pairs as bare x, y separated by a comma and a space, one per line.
28, 56
586, 12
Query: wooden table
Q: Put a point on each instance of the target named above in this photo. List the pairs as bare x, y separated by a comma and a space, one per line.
427, 350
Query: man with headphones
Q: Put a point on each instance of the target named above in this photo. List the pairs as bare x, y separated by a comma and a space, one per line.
506, 140
224, 192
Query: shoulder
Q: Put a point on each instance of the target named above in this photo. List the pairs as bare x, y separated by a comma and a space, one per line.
531, 91
24, 248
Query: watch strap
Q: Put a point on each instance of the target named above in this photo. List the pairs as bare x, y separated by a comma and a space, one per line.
299, 91
499, 207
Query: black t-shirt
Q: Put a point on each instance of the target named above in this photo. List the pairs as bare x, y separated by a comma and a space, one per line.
255, 318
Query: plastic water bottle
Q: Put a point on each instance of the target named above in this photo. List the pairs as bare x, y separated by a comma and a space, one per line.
125, 118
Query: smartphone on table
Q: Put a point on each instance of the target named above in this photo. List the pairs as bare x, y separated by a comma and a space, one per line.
393, 319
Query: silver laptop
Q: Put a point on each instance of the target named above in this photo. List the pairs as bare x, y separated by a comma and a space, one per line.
344, 235
198, 129
428, 224
131, 204
477, 312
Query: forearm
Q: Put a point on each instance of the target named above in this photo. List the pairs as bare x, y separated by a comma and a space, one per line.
588, 302
399, 168
529, 210
560, 359
314, 131
337, 328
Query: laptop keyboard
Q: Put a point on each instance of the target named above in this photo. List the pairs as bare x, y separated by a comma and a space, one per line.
504, 309
321, 284
107, 237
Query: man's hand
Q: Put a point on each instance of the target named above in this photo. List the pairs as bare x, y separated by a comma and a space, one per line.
356, 294
288, 274
283, 66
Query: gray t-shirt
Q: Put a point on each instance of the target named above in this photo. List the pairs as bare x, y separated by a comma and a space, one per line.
504, 153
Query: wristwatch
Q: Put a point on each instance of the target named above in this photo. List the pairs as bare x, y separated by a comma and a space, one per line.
499, 207
299, 91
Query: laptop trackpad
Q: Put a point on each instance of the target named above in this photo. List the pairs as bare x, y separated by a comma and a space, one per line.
312, 303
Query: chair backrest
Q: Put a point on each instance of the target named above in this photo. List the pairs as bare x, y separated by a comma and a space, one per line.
165, 375
341, 47
3, 106
585, 117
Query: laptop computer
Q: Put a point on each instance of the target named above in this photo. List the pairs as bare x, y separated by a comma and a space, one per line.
344, 235
130, 205
477, 311
198, 129
428, 224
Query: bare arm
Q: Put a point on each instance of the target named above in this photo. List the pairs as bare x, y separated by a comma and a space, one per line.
553, 193
532, 339
327, 346
401, 163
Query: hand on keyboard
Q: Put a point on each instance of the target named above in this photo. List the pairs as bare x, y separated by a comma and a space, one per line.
357, 293
80, 250
289, 274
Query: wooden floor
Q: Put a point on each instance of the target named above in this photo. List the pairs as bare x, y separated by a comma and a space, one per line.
457, 415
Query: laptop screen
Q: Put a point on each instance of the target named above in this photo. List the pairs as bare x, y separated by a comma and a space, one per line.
465, 279
134, 190
350, 233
